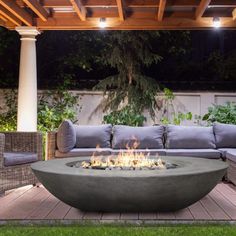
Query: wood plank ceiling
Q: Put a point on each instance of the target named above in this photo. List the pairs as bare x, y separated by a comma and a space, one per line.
118, 14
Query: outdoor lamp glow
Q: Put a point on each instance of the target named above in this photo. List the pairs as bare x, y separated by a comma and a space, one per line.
102, 23
216, 22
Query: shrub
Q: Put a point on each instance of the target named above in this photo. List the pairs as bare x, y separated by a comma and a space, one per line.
125, 116
53, 108
177, 118
8, 117
169, 113
221, 113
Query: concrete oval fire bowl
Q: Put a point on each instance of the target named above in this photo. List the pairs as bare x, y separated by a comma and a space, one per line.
130, 190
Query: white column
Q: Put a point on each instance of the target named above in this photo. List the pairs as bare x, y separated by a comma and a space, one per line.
27, 91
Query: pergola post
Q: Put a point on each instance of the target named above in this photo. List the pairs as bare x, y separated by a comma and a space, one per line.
27, 90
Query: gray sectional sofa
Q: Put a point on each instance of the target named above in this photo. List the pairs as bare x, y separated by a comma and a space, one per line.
215, 142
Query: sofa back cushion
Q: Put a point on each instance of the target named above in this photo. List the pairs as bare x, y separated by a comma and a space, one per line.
189, 137
225, 135
91, 136
66, 137
150, 137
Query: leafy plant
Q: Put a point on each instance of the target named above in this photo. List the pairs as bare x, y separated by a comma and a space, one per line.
53, 108
8, 115
221, 113
176, 119
125, 116
169, 113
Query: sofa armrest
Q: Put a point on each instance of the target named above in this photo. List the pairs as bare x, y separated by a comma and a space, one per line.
2, 145
51, 145
24, 142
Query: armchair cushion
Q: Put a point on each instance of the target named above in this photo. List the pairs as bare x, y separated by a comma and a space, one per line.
18, 158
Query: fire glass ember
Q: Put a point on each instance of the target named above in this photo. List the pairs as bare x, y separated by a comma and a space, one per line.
120, 162
129, 159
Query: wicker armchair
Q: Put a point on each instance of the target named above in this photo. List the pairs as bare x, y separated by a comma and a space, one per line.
18, 142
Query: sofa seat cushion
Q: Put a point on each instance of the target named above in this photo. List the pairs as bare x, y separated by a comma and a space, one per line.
79, 152
191, 137
160, 152
66, 137
150, 137
225, 135
91, 136
205, 153
231, 155
18, 158
225, 150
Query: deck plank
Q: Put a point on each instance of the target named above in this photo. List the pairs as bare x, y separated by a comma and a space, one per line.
92, 216
226, 187
21, 207
213, 209
129, 216
224, 204
110, 216
165, 216
199, 212
74, 214
37, 203
183, 214
147, 216
13, 195
227, 192
59, 212
44, 208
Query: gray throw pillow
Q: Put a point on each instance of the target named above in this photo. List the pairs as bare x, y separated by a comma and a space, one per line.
90, 136
189, 137
66, 136
225, 135
150, 137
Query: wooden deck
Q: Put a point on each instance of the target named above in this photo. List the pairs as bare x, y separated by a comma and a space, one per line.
36, 203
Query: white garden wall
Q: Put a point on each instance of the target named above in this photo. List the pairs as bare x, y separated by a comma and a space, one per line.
195, 102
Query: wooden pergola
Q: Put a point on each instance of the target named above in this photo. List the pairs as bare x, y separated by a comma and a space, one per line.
30, 17
118, 14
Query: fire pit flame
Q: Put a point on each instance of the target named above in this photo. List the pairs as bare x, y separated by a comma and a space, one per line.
129, 159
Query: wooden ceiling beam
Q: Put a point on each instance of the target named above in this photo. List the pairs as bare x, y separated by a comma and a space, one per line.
3, 18
201, 8
20, 13
234, 14
79, 9
37, 9
120, 9
9, 16
132, 24
134, 15
113, 3
138, 3
161, 10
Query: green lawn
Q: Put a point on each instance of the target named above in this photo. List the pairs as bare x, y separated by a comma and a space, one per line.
118, 230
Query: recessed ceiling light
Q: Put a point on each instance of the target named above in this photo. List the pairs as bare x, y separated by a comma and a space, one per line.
216, 22
102, 23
